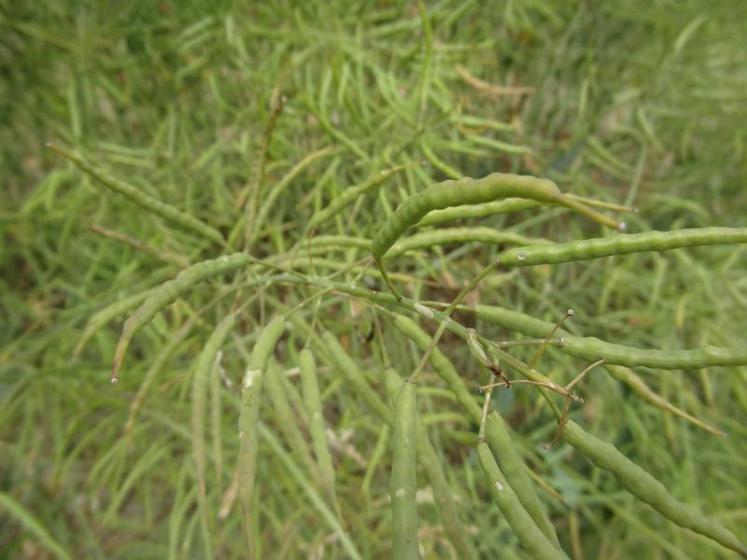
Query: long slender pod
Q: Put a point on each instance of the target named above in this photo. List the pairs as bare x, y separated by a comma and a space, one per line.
429, 239
313, 402
496, 430
167, 293
646, 488
199, 396
199, 407
474, 191
642, 357
436, 217
165, 211
442, 492
576, 345
251, 395
529, 535
215, 388
108, 313
592, 348
621, 245
461, 235
426, 454
403, 482
287, 420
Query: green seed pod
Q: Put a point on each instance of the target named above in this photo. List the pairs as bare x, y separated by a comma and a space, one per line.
474, 191
166, 211
646, 488
403, 483
518, 519
199, 396
461, 235
437, 217
102, 317
593, 348
251, 395
496, 430
442, 489
427, 456
199, 407
167, 293
621, 245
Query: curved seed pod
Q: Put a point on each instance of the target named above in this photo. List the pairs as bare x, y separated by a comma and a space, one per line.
646, 488
460, 235
436, 217
474, 191
593, 348
351, 194
313, 401
167, 293
442, 491
102, 317
496, 430
166, 211
251, 395
403, 483
199, 396
621, 245
524, 528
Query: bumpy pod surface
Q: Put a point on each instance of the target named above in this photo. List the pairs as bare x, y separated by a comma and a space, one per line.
593, 348
646, 488
166, 211
403, 483
251, 395
459, 192
168, 292
621, 245
529, 535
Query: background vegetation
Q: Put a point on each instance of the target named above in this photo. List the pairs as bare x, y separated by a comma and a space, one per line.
639, 103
